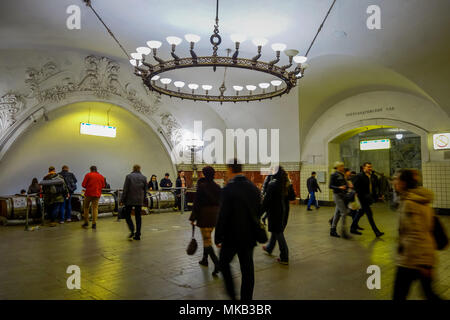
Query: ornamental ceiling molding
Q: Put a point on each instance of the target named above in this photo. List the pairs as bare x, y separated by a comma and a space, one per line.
10, 106
99, 78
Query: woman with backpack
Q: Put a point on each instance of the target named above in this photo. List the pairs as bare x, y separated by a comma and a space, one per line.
276, 203
416, 249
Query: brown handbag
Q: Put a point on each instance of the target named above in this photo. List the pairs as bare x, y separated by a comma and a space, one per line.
192, 247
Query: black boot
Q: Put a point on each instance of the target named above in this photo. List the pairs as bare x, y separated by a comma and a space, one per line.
333, 233
355, 231
213, 256
204, 261
378, 234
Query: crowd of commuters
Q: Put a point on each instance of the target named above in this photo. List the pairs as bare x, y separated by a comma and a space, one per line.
236, 210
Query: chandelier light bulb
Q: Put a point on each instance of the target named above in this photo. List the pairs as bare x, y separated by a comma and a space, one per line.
300, 59
137, 56
305, 65
264, 85
192, 38
166, 80
178, 84
135, 63
278, 47
399, 136
276, 83
174, 40
143, 50
238, 38
238, 88
260, 42
154, 44
193, 86
206, 87
154, 78
250, 87
291, 52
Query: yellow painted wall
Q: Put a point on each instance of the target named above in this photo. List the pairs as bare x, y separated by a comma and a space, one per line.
58, 142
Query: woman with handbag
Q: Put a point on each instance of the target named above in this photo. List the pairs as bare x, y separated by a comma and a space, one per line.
276, 203
417, 245
205, 212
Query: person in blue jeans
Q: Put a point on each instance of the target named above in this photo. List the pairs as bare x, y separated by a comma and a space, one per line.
313, 187
71, 183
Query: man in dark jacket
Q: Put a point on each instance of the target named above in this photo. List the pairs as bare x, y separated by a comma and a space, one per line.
313, 187
71, 183
338, 184
239, 214
133, 195
365, 182
165, 182
55, 191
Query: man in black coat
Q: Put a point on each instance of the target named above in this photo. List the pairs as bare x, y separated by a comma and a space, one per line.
71, 182
133, 195
365, 184
165, 183
313, 187
239, 214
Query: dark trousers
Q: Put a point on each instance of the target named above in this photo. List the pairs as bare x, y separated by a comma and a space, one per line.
245, 255
54, 210
404, 279
365, 208
137, 216
284, 250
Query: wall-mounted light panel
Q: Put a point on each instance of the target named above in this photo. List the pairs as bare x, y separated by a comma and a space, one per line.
97, 130
375, 144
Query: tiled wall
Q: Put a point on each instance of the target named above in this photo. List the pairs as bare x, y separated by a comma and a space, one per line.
436, 176
252, 172
305, 173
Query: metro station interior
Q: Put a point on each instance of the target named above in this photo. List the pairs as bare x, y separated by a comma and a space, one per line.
75, 91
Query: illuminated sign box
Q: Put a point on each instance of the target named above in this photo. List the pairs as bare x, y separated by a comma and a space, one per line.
97, 130
375, 144
441, 141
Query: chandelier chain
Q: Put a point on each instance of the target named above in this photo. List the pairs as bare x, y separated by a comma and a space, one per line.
88, 4
320, 28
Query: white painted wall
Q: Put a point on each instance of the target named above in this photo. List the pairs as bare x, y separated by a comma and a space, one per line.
58, 142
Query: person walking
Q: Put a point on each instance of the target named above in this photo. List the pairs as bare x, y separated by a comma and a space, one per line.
93, 183
236, 233
276, 203
204, 214
364, 185
416, 246
153, 183
165, 183
338, 184
55, 190
133, 195
71, 183
313, 187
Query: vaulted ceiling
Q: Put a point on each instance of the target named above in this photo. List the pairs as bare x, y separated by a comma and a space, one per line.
410, 53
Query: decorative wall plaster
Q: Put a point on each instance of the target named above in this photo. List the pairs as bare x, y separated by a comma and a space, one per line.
10, 106
171, 126
99, 77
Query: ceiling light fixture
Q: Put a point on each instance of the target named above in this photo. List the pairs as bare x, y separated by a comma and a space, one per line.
286, 77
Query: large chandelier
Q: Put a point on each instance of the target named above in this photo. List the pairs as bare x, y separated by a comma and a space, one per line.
284, 77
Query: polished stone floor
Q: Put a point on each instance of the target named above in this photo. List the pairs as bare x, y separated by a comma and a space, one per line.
34, 263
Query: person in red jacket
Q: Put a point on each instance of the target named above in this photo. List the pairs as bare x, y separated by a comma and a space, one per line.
93, 182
